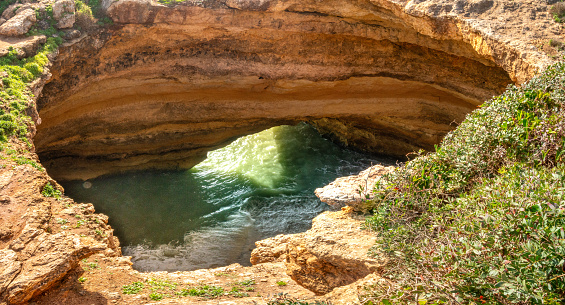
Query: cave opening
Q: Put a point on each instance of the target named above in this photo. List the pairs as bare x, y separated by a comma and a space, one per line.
162, 97
209, 216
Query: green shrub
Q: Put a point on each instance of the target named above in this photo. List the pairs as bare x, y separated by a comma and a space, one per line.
4, 5
479, 219
50, 191
35, 69
15, 95
205, 291
132, 288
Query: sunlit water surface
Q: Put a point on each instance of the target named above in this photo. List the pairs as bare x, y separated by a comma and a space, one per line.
257, 187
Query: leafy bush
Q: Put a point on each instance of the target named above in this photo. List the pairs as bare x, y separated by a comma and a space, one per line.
90, 14
480, 219
84, 17
50, 191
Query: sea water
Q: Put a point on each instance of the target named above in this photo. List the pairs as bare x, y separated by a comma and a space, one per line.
209, 216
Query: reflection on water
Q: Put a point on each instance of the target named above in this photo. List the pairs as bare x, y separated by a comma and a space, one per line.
211, 215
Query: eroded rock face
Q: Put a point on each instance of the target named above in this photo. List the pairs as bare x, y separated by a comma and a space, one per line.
166, 85
19, 24
333, 253
41, 238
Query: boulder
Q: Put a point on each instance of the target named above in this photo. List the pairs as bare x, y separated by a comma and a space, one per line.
131, 11
19, 24
250, 5
352, 190
270, 250
333, 253
64, 13
53, 257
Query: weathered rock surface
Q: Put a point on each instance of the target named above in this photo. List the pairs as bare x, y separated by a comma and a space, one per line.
354, 293
64, 13
19, 24
352, 190
333, 253
41, 238
25, 46
270, 250
53, 257
165, 85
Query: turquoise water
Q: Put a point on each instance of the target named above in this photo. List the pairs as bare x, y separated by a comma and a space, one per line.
257, 187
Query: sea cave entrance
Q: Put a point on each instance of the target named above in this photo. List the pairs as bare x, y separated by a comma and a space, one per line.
257, 187
161, 97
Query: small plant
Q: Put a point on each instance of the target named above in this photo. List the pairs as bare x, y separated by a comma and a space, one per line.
156, 296
156, 284
82, 279
558, 12
171, 2
93, 265
50, 191
79, 223
238, 294
248, 282
205, 291
132, 288
281, 283
99, 232
62, 221
230, 275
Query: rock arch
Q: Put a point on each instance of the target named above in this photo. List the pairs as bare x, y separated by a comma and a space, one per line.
164, 85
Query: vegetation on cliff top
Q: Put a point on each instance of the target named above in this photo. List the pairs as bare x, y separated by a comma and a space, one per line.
481, 220
15, 95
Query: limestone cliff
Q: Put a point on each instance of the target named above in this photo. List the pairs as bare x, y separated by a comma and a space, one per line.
165, 85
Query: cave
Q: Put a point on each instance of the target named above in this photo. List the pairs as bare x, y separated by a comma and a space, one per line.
161, 89
158, 87
158, 95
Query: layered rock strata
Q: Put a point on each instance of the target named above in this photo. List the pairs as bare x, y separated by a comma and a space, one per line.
165, 85
375, 74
